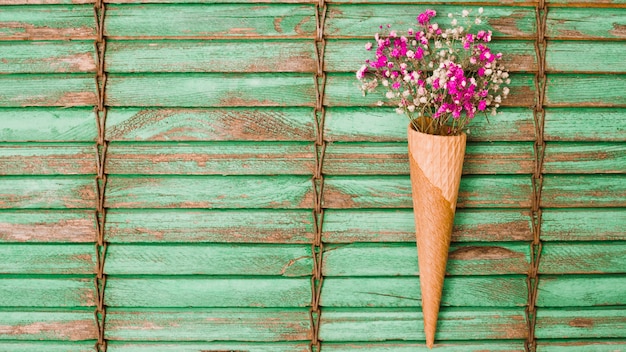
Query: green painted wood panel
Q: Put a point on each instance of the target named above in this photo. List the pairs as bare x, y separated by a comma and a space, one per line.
583, 257
47, 159
47, 226
585, 124
474, 291
49, 325
600, 56
446, 346
584, 191
582, 23
47, 125
51, 346
37, 292
211, 20
591, 224
581, 345
401, 259
586, 90
226, 324
47, 57
585, 158
120, 346
25, 258
598, 323
284, 192
36, 22
214, 225
47, 90
581, 291
52, 192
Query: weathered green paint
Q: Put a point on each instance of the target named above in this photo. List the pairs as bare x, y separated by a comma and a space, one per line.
562, 56
51, 346
47, 159
585, 158
47, 324
64, 90
47, 226
583, 258
47, 125
47, 57
47, 258
586, 90
579, 323
584, 191
35, 292
581, 291
47, 21
52, 192
582, 23
585, 124
462, 346
590, 224
120, 346
606, 345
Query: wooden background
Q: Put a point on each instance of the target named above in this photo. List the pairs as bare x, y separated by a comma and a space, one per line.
211, 132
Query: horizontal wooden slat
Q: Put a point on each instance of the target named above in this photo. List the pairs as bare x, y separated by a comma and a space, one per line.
259, 325
581, 345
211, 259
47, 125
392, 159
287, 192
183, 124
49, 325
401, 259
584, 191
479, 291
47, 226
211, 89
441, 346
364, 20
47, 22
583, 158
48, 346
583, 257
586, 90
46, 292
47, 192
47, 159
222, 158
583, 224
123, 346
47, 90
581, 23
398, 225
47, 259
232, 226
395, 192
581, 291
562, 56
384, 125
202, 292
584, 124
581, 323
47, 57
406, 324
211, 20
210, 56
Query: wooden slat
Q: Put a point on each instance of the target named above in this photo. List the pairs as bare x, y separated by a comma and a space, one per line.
581, 323
406, 324
47, 57
45, 22
62, 325
285, 192
395, 192
231, 226
562, 56
585, 158
401, 259
210, 89
46, 292
48, 346
581, 23
586, 90
122, 346
47, 125
47, 226
210, 56
584, 191
47, 90
47, 192
479, 291
222, 158
364, 20
210, 259
392, 159
584, 124
211, 20
583, 224
208, 325
581, 345
47, 259
441, 346
581, 291
183, 124
384, 125
382, 225
47, 159
583, 258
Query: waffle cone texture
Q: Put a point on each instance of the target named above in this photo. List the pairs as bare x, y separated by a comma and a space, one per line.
436, 163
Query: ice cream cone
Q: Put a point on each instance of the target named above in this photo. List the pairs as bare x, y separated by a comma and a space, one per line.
436, 163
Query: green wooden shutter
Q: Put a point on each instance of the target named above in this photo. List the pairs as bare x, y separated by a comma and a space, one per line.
240, 153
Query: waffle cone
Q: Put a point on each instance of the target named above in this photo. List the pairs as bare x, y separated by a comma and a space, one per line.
436, 163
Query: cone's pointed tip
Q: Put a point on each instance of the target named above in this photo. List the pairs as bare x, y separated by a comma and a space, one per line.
429, 345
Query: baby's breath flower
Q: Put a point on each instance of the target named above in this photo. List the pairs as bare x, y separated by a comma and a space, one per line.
465, 13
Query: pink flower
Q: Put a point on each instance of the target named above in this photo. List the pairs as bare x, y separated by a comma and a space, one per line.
368, 46
395, 85
481, 71
482, 105
424, 17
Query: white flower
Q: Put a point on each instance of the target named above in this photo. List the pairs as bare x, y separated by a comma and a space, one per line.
498, 99
385, 83
406, 93
435, 26
389, 95
488, 72
505, 91
465, 13
505, 75
421, 91
454, 22
411, 108
478, 21
423, 100
400, 111
379, 103
480, 10
450, 15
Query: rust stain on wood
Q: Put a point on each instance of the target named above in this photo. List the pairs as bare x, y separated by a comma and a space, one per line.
508, 25
514, 230
483, 253
72, 330
20, 30
80, 230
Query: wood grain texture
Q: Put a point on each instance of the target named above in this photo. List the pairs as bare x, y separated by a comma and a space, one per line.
395, 192
47, 57
223, 158
595, 190
581, 291
284, 192
406, 324
600, 56
47, 125
583, 258
45, 22
51, 346
211, 20
581, 345
401, 259
47, 159
443, 346
49, 325
475, 291
581, 23
47, 226
47, 90
38, 292
583, 224
210, 56
585, 124
210, 90
585, 158
217, 124
47, 258
54, 192
229, 226
397, 225
121, 346
586, 90
598, 323
226, 324
210, 259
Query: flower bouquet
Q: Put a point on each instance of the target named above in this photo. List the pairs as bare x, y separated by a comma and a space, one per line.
440, 78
